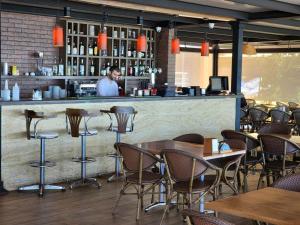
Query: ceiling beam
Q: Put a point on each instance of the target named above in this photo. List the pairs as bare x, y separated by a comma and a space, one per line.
270, 15
285, 22
272, 5
191, 7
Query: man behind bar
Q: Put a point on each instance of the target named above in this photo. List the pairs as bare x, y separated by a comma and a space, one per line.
108, 85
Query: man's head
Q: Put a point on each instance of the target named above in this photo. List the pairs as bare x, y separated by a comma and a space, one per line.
114, 73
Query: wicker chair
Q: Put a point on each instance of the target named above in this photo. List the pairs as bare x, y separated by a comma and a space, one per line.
275, 152
296, 117
282, 106
191, 138
137, 164
195, 218
279, 116
289, 182
252, 157
257, 118
293, 106
230, 165
244, 119
250, 103
184, 170
274, 128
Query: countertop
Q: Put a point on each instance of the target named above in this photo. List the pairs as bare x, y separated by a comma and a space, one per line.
111, 99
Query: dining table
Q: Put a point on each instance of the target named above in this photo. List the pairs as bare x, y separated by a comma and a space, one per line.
269, 205
156, 148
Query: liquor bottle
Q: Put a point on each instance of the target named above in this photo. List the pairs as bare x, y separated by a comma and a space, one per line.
103, 70
130, 69
133, 52
69, 47
123, 69
116, 63
74, 49
61, 68
115, 51
92, 69
81, 68
91, 50
107, 68
135, 69
81, 48
54, 67
75, 67
141, 68
122, 50
129, 53
69, 68
95, 48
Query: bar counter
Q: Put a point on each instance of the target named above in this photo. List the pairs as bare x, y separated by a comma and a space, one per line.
158, 118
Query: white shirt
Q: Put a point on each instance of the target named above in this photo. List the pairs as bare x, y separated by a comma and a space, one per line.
107, 87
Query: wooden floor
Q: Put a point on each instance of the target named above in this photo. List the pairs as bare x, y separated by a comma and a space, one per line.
86, 206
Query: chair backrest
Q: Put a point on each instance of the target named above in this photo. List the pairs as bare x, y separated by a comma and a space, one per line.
251, 142
250, 102
135, 158
296, 116
276, 145
191, 138
279, 116
293, 105
289, 182
184, 166
274, 128
74, 116
123, 115
29, 115
243, 113
257, 115
198, 218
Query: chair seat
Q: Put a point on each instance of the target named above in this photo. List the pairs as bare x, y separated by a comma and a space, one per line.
147, 177
277, 164
198, 185
90, 132
44, 135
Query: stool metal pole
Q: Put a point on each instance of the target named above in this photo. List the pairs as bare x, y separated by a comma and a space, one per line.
83, 157
42, 167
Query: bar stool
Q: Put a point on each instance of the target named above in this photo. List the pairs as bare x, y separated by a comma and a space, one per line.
31, 115
123, 123
74, 117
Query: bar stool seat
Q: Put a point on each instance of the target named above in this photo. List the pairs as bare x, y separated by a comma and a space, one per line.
116, 129
90, 132
45, 135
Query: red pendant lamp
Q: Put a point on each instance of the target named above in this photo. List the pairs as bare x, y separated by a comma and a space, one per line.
102, 40
58, 36
175, 46
141, 43
205, 48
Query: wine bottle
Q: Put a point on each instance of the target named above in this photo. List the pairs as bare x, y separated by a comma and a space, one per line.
69, 47
123, 69
130, 69
122, 50
61, 68
81, 68
75, 67
129, 51
69, 68
107, 68
95, 48
54, 67
115, 51
74, 49
92, 68
81, 48
103, 70
91, 50
135, 69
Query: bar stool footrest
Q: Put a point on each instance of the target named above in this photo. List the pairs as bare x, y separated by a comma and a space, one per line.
85, 181
39, 164
86, 160
114, 155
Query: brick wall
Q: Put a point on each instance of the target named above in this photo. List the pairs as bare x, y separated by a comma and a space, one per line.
24, 34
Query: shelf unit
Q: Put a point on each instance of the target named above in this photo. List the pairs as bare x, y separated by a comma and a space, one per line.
121, 38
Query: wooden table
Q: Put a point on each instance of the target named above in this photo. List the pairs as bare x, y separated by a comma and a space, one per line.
292, 138
269, 205
156, 148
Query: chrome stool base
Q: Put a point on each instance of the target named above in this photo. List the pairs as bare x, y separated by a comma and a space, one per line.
114, 177
41, 188
85, 181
